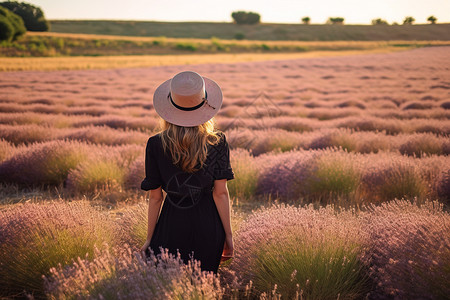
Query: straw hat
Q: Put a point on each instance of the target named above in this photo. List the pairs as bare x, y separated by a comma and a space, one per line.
187, 99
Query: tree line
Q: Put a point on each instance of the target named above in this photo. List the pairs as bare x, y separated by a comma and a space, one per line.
243, 17
18, 17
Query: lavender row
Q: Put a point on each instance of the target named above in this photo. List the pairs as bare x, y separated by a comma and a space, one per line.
391, 121
396, 250
323, 175
259, 141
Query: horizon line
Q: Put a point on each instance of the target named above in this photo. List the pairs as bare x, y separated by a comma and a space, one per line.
228, 22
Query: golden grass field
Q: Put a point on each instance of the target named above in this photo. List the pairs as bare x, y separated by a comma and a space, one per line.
133, 61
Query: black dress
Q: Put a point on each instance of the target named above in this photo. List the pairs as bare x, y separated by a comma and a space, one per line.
189, 220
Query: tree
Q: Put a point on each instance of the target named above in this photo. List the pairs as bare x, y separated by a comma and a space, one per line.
11, 25
306, 20
408, 21
243, 17
379, 22
432, 19
32, 16
337, 20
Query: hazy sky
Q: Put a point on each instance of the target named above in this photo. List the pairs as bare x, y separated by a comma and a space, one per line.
273, 11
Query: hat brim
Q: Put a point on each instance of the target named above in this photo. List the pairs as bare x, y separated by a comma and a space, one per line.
171, 114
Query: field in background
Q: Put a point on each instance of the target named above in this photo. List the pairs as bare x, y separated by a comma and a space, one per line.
265, 31
356, 132
382, 106
54, 44
55, 51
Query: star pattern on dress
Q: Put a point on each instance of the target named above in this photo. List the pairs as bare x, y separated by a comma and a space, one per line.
183, 192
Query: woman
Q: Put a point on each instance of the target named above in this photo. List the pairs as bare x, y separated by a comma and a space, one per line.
190, 161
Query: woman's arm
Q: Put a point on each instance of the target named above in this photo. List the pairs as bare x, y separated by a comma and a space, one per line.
154, 207
222, 200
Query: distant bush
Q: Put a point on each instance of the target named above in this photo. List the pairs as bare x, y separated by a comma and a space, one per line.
432, 19
215, 42
186, 46
11, 25
32, 16
239, 36
306, 20
379, 22
160, 41
265, 47
408, 21
336, 20
242, 17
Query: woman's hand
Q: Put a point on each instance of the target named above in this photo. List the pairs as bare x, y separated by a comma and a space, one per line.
227, 248
144, 248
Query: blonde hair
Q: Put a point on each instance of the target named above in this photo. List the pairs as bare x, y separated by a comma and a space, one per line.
188, 146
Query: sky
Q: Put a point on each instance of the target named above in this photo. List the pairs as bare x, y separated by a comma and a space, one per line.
273, 11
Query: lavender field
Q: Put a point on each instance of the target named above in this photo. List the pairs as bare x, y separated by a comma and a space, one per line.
342, 182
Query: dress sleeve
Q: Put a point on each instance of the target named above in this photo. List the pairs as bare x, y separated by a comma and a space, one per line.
152, 175
222, 169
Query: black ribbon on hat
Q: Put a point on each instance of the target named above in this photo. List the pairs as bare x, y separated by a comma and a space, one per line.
193, 107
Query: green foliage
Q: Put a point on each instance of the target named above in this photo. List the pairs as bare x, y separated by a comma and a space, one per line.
160, 41
432, 19
239, 36
243, 17
318, 269
408, 21
43, 236
186, 46
246, 170
11, 25
379, 21
396, 182
32, 16
336, 20
332, 178
91, 176
306, 20
6, 29
265, 47
217, 45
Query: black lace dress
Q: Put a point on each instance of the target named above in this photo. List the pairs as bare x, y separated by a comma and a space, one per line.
189, 221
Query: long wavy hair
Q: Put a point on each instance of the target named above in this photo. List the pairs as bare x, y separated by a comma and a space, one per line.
188, 146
